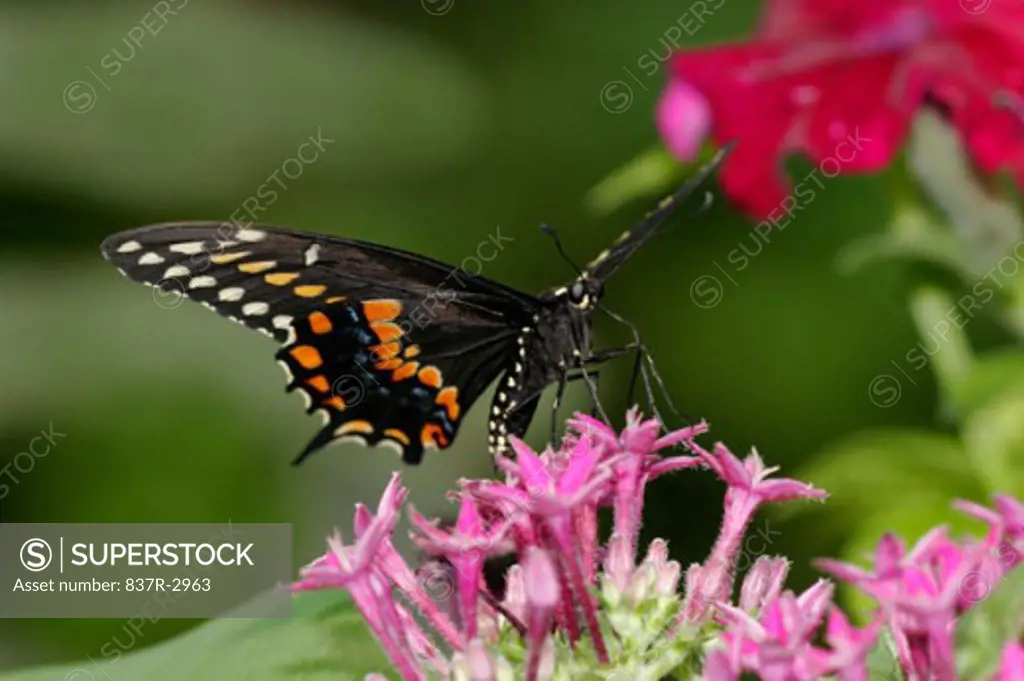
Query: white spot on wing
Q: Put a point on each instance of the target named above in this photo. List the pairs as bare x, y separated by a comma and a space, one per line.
354, 439
202, 282
287, 371
311, 254
150, 258
129, 247
176, 271
282, 321
231, 294
392, 445
188, 247
250, 235
254, 309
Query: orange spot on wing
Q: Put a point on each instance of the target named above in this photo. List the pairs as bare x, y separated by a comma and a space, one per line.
398, 435
386, 331
432, 434
307, 356
389, 364
320, 323
335, 299
405, 371
280, 278
449, 399
364, 427
320, 383
256, 267
382, 310
430, 376
385, 351
336, 402
309, 290
411, 351
225, 258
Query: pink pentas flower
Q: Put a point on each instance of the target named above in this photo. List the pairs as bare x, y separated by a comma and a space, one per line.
748, 487
633, 455
763, 583
353, 568
466, 547
922, 591
918, 600
779, 644
549, 493
840, 81
542, 596
559, 617
1006, 528
849, 646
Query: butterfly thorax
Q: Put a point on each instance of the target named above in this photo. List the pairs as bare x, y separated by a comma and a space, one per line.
553, 343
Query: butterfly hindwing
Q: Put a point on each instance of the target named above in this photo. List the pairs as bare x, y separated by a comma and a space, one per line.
390, 347
359, 368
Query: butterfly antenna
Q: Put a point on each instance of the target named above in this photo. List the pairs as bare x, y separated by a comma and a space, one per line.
550, 231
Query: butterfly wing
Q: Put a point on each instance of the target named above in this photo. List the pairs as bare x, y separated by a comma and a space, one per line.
609, 261
391, 347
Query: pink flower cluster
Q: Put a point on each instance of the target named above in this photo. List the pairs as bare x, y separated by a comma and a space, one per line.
571, 592
920, 592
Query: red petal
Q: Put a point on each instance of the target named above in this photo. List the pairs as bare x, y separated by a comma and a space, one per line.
757, 113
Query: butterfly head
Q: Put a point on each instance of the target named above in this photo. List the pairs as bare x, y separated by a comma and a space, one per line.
584, 293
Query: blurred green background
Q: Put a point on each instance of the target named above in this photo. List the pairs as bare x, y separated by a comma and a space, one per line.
449, 119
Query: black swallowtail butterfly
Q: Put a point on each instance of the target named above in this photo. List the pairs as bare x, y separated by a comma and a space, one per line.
390, 347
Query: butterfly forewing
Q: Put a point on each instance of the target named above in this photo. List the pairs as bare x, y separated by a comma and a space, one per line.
390, 347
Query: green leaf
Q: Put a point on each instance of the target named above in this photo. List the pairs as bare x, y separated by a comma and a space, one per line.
990, 625
994, 439
914, 237
883, 660
992, 373
205, 103
325, 638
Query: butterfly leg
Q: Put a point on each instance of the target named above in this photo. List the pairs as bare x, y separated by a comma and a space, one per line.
649, 360
562, 381
638, 368
596, 376
590, 380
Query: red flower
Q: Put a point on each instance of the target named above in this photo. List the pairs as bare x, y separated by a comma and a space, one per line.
840, 79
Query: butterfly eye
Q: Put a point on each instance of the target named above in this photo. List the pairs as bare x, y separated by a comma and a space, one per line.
577, 292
